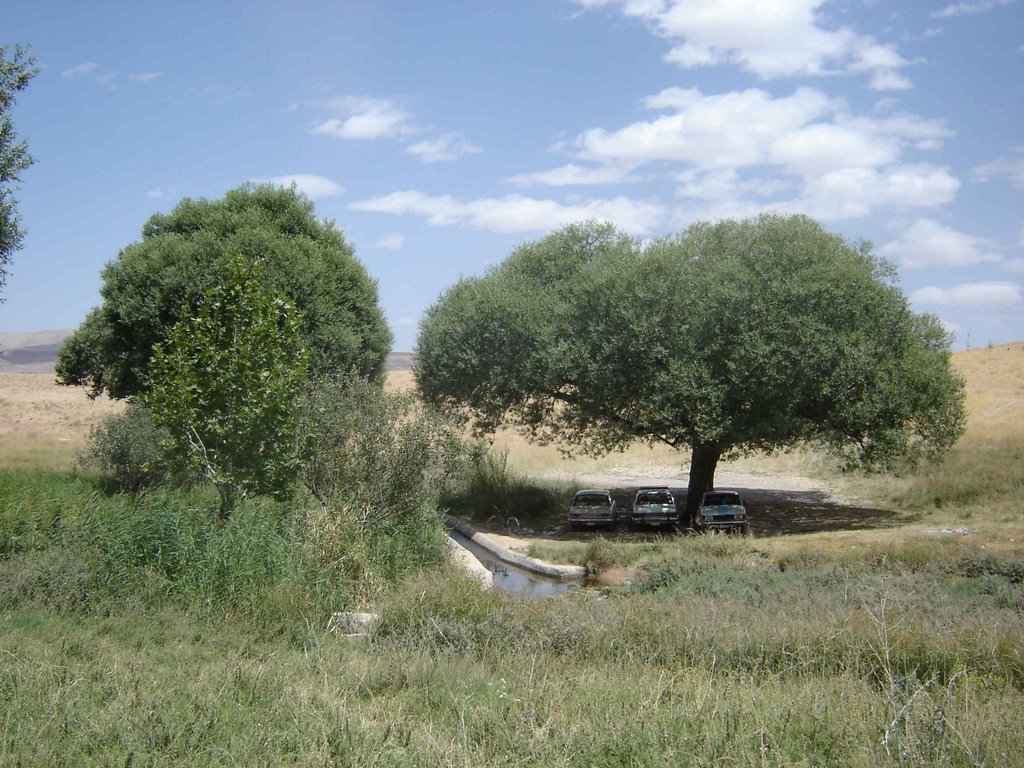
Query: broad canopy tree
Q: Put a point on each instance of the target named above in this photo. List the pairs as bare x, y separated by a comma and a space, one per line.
732, 337
187, 252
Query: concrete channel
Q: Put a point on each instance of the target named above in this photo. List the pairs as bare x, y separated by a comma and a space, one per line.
513, 571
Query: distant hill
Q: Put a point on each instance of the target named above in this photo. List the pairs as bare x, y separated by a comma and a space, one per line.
36, 352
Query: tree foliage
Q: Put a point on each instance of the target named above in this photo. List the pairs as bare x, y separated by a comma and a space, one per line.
185, 253
733, 336
227, 384
16, 70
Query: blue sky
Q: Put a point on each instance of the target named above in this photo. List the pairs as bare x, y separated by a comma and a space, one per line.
440, 135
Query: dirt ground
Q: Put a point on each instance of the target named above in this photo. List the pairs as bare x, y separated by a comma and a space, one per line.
778, 504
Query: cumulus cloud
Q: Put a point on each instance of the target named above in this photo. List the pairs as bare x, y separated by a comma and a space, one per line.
990, 294
515, 213
1009, 166
447, 146
842, 165
782, 38
574, 175
314, 187
365, 119
927, 243
969, 9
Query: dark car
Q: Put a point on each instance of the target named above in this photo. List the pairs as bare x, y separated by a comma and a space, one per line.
654, 506
593, 507
722, 511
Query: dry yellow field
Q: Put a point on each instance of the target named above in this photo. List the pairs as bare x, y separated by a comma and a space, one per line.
42, 423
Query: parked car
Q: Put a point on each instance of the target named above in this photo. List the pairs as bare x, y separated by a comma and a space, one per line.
654, 506
593, 507
722, 511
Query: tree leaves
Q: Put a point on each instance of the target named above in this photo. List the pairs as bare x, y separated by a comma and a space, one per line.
742, 335
227, 385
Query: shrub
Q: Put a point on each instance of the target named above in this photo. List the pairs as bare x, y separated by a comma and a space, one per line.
488, 486
127, 448
377, 464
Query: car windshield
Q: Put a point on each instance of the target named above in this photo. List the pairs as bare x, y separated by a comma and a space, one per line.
656, 497
722, 500
591, 500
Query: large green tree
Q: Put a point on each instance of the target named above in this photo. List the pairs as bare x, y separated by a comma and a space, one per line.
17, 68
227, 385
188, 251
733, 336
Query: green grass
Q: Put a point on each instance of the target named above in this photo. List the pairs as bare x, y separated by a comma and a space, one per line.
136, 630
719, 663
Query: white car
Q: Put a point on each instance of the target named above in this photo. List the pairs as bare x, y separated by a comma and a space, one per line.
722, 511
655, 506
593, 507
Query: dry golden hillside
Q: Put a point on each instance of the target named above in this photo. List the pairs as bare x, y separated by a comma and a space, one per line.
45, 424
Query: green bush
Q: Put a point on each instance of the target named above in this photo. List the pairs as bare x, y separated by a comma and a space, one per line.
377, 464
127, 448
488, 486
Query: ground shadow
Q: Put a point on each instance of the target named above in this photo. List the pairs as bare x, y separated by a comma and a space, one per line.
771, 513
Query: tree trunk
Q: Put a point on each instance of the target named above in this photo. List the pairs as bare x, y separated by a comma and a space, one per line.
227, 501
703, 463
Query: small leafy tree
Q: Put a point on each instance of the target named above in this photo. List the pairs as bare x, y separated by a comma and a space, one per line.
15, 73
227, 385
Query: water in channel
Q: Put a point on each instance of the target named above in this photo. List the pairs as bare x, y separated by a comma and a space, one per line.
512, 579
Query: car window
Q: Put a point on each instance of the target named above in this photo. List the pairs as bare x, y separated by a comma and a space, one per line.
658, 497
592, 500
722, 499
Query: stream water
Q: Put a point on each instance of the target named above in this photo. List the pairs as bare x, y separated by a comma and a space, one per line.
512, 579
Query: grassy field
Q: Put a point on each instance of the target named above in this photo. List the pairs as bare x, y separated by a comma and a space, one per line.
134, 633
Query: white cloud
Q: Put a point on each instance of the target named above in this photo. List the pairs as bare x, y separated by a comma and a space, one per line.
365, 119
80, 69
969, 9
447, 146
917, 131
927, 243
727, 130
144, 77
991, 294
725, 184
515, 213
314, 187
781, 38
854, 192
393, 241
1009, 166
840, 164
1014, 265
574, 175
